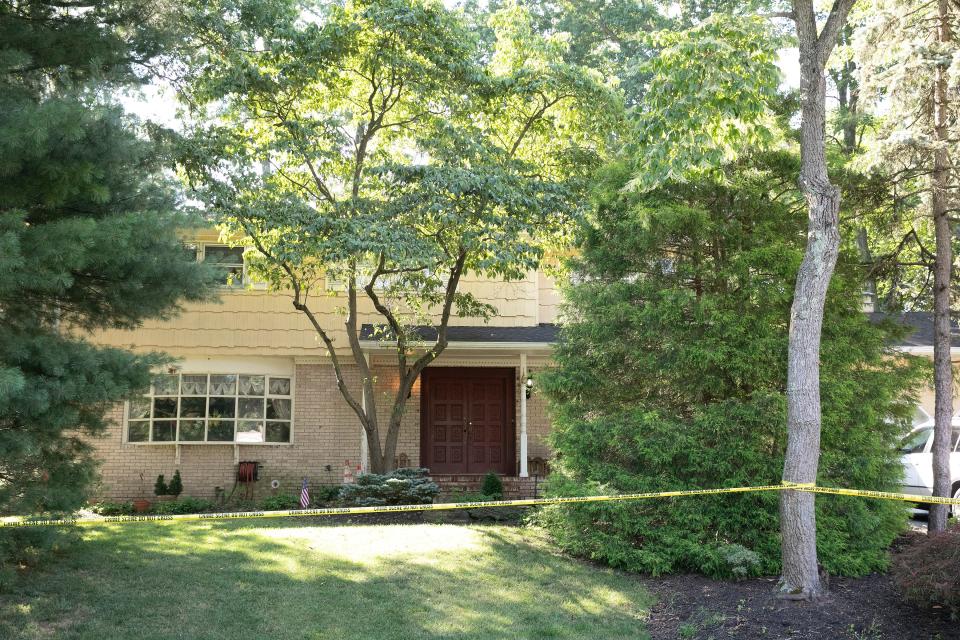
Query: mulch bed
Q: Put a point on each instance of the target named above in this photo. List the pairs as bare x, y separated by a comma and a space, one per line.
868, 608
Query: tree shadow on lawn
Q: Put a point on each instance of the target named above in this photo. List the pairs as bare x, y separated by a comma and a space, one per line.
298, 580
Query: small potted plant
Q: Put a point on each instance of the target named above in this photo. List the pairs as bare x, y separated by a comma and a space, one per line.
161, 490
141, 505
175, 488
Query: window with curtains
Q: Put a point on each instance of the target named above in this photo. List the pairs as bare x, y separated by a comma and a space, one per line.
213, 408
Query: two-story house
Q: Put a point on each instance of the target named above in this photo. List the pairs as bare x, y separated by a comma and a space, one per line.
252, 382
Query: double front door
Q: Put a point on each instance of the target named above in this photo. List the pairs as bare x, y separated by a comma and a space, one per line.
467, 420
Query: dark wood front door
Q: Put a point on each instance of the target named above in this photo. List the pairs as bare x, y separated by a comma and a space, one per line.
467, 420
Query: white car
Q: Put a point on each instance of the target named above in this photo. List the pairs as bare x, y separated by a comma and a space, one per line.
918, 461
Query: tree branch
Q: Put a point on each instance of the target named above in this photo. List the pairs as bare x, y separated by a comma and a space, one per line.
450, 295
385, 311
353, 337
300, 305
827, 39
529, 123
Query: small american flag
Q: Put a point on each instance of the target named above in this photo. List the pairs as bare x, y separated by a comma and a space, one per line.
304, 495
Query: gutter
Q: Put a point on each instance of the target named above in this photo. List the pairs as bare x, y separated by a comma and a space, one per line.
513, 346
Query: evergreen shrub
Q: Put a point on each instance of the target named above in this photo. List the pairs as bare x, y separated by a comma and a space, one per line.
160, 487
403, 486
112, 508
183, 505
175, 488
280, 502
492, 486
672, 375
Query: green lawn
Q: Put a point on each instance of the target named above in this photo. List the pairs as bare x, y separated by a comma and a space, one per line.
289, 579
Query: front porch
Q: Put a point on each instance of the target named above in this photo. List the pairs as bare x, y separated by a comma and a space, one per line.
474, 409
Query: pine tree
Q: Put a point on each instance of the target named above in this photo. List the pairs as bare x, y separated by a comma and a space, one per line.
908, 52
88, 238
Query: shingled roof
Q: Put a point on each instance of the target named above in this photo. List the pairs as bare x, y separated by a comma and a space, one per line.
540, 333
921, 328
920, 324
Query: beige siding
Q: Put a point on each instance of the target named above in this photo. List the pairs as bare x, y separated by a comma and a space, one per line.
548, 308
926, 394
265, 323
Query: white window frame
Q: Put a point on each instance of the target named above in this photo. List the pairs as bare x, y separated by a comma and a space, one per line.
206, 396
245, 281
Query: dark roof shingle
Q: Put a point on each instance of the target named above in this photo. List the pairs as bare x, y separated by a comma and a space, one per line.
920, 324
540, 333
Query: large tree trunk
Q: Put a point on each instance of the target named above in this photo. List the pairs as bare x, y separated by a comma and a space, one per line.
801, 576
942, 365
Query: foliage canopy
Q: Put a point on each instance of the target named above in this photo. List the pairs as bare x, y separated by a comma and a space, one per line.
384, 146
672, 375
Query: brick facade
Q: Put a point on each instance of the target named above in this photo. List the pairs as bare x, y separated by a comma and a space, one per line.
326, 433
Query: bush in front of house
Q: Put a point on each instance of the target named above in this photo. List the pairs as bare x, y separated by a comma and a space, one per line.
175, 488
928, 571
671, 374
112, 508
466, 496
403, 486
325, 494
280, 502
183, 505
160, 487
492, 486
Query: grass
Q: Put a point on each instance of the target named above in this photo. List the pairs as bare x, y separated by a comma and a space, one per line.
223, 580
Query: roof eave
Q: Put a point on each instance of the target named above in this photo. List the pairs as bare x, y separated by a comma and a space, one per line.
381, 345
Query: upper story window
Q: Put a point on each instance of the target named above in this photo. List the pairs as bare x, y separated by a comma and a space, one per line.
227, 261
217, 408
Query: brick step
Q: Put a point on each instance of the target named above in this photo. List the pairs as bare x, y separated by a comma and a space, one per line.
513, 486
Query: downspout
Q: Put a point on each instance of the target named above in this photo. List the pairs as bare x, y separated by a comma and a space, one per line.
523, 416
364, 447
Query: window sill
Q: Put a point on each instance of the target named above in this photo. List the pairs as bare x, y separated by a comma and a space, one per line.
246, 286
210, 444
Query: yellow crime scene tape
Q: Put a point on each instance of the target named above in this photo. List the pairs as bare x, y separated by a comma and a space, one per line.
20, 521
